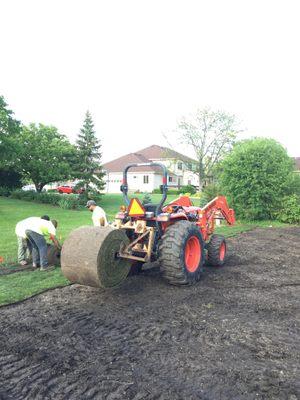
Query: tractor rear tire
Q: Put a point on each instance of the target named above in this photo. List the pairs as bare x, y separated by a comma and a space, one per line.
181, 253
216, 251
90, 256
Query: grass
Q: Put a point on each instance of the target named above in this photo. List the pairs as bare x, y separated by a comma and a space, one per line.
244, 226
21, 285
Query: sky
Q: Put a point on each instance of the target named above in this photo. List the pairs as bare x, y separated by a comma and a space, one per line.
139, 66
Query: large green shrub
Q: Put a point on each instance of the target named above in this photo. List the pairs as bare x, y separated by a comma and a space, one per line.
256, 176
293, 184
290, 210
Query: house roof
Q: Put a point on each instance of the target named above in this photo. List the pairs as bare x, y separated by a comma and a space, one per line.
146, 155
297, 163
156, 152
120, 163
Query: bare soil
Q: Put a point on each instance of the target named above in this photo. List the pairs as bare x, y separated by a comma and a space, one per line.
234, 335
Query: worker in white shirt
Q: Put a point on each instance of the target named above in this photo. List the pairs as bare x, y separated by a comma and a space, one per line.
24, 246
99, 216
37, 230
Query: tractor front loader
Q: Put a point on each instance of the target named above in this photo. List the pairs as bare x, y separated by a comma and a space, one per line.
178, 235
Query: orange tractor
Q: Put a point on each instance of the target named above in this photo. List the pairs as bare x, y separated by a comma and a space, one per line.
178, 235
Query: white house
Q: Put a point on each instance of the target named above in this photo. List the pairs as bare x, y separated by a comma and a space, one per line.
181, 170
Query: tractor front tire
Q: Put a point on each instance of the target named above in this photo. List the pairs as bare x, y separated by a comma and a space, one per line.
181, 253
216, 251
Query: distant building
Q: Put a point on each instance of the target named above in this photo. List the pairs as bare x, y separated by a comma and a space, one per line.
297, 164
181, 170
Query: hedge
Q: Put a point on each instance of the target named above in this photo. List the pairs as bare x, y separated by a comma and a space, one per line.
70, 201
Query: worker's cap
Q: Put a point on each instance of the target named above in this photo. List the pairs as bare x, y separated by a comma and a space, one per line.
90, 203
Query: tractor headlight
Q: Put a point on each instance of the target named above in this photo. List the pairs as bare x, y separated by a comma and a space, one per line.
149, 214
163, 217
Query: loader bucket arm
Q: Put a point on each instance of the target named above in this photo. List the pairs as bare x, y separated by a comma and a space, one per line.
220, 204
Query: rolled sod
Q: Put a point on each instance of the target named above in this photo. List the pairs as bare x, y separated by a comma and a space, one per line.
89, 256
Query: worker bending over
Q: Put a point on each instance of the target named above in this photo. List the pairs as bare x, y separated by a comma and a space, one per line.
37, 230
99, 216
24, 246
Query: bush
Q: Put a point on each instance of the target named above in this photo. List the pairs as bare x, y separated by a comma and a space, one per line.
20, 194
255, 177
5, 191
156, 191
293, 184
209, 193
170, 191
70, 201
188, 189
290, 210
146, 199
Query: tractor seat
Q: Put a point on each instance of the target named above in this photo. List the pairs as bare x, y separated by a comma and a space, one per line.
150, 207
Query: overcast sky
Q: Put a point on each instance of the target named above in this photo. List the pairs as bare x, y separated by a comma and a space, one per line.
139, 66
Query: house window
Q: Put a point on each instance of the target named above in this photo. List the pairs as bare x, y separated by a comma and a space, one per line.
179, 165
189, 182
146, 178
170, 179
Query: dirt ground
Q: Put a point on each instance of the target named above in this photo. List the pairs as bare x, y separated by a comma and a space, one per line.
235, 335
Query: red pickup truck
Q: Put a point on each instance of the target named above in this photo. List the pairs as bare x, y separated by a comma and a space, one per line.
69, 189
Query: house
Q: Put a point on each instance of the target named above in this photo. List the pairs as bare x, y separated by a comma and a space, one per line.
297, 164
181, 170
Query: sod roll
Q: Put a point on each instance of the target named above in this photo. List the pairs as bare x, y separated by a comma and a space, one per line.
53, 255
89, 256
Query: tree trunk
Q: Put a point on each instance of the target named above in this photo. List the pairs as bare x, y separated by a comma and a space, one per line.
201, 176
38, 186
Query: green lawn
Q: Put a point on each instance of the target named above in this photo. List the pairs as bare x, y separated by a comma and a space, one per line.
21, 285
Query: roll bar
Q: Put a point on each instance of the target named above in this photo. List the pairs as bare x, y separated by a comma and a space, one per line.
164, 186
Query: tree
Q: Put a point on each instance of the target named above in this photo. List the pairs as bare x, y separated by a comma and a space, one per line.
46, 156
211, 134
255, 176
89, 169
9, 131
10, 178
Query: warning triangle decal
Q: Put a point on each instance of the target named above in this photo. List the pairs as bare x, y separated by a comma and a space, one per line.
135, 208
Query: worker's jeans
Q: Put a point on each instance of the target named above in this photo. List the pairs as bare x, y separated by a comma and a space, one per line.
24, 249
39, 248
